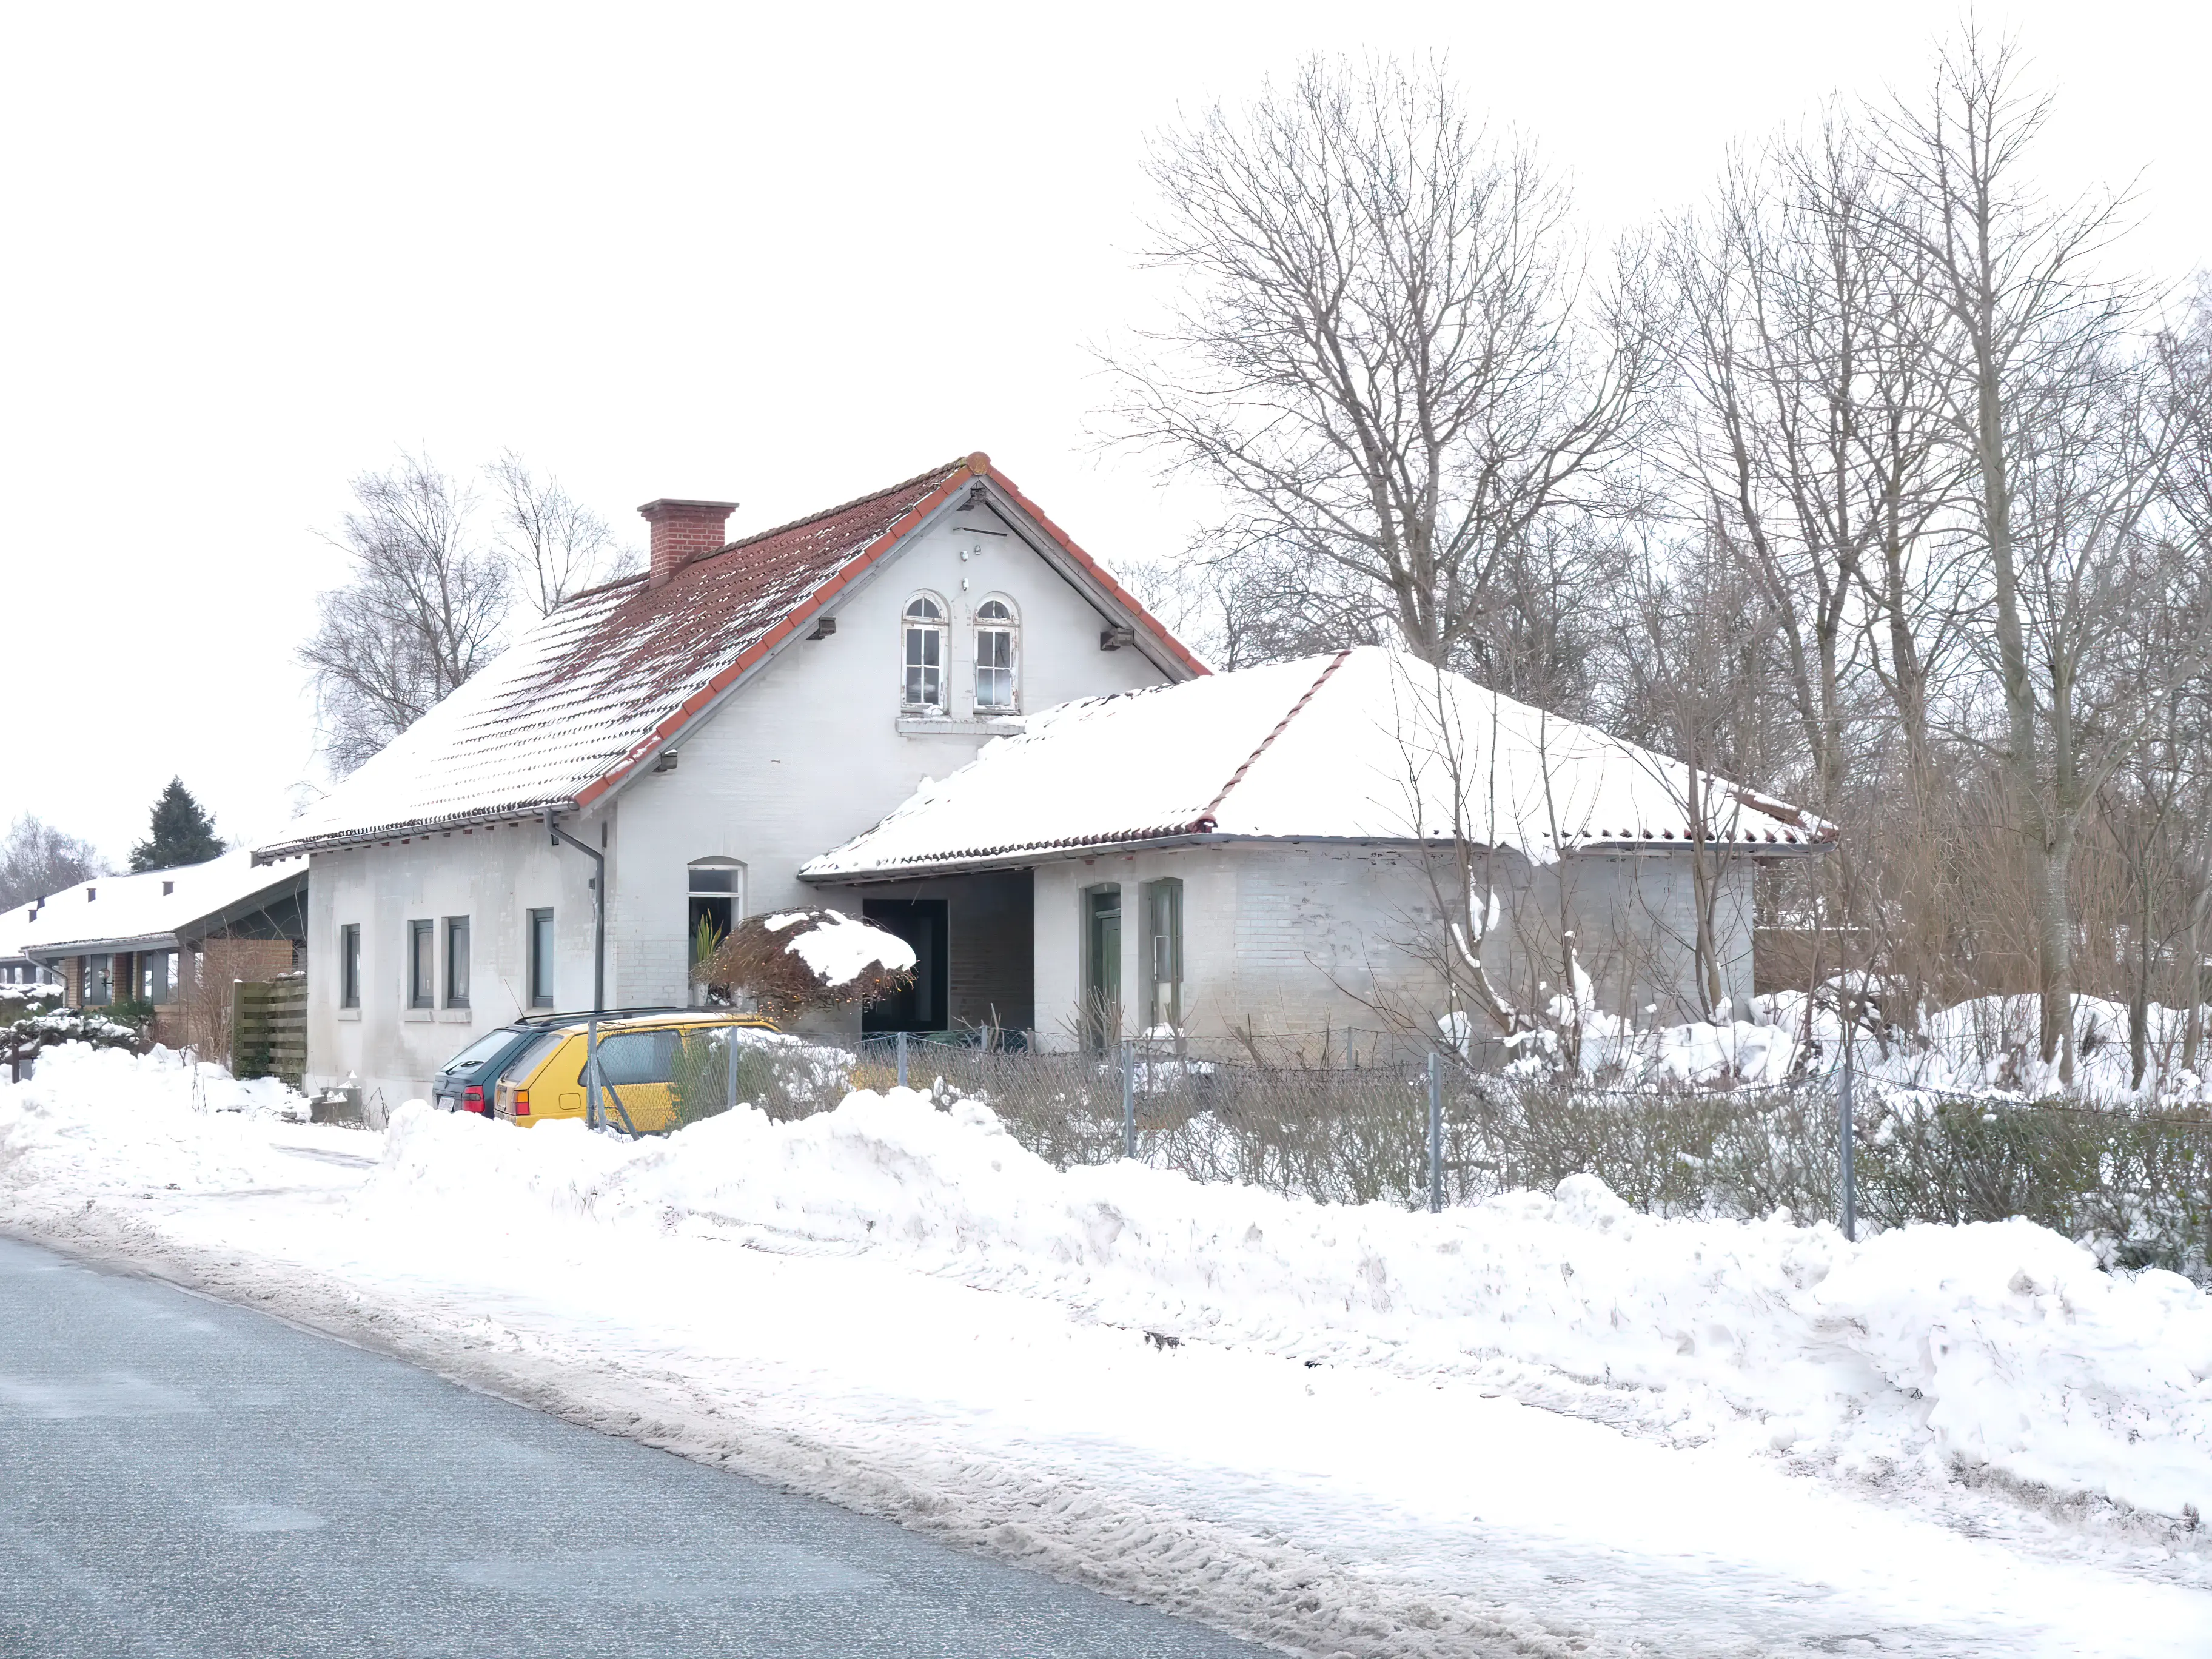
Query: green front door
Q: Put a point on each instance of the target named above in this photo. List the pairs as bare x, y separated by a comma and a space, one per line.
1102, 966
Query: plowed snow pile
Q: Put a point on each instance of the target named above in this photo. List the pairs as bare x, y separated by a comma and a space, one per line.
2001, 1346
1295, 1420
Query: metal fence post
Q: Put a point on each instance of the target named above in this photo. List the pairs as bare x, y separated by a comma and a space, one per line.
730, 1069
901, 1060
1436, 1131
1128, 1100
593, 1117
1844, 1093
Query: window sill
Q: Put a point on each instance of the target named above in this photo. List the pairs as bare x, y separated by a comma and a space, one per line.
456, 1016
353, 1013
971, 726
423, 1015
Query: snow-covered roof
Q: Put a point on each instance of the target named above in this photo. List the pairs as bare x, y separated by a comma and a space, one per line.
15, 930
602, 684
152, 911
1366, 745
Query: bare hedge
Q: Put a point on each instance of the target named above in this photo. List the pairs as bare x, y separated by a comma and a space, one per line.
2135, 1184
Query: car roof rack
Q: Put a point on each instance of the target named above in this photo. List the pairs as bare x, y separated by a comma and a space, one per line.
603, 1013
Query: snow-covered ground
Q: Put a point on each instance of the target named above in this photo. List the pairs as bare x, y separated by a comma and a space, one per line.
1545, 1425
1984, 1044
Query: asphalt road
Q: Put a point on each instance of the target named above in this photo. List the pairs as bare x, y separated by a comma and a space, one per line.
181, 1478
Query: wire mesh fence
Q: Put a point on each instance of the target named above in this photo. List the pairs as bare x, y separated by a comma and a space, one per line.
2134, 1183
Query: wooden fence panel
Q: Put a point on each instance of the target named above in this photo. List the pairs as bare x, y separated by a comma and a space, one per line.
269, 1028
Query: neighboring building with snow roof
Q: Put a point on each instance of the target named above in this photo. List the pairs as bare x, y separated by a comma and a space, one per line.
1275, 858
16, 966
704, 729
162, 937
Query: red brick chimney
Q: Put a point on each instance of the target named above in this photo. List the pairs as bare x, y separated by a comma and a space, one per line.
682, 529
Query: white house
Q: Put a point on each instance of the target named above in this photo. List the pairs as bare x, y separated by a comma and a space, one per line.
696, 734
1308, 858
1315, 856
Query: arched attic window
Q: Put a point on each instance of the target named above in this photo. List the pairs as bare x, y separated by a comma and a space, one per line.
996, 656
922, 634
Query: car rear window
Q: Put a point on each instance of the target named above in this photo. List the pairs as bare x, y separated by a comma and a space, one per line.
478, 1051
525, 1064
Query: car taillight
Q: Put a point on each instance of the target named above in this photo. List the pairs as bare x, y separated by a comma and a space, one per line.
522, 1103
473, 1100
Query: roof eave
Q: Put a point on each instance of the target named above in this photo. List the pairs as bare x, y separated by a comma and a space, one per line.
339, 840
1142, 619
55, 951
1021, 858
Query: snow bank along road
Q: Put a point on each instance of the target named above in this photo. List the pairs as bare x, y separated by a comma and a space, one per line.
189, 1478
1547, 1425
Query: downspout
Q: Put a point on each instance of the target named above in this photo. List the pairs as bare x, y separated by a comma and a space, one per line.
599, 908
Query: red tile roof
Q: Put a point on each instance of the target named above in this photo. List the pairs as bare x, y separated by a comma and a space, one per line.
616, 674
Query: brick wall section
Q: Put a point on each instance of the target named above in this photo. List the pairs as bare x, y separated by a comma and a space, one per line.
227, 959
681, 531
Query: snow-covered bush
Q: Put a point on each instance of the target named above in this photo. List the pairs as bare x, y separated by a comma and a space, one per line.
23, 1042
800, 960
17, 1000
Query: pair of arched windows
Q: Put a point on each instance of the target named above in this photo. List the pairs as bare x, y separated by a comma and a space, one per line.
925, 660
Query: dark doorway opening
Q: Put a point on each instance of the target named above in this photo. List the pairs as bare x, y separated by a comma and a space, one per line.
922, 1006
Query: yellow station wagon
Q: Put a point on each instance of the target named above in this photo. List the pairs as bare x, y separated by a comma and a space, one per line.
644, 1061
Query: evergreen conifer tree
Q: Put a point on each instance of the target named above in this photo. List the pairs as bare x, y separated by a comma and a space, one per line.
183, 832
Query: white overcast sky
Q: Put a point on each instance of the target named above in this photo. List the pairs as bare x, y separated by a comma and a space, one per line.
781, 255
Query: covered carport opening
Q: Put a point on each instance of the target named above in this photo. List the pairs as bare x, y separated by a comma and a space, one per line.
974, 947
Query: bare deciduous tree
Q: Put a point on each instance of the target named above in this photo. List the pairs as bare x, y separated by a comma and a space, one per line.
2048, 397
1875, 488
555, 546
421, 609
1811, 438
36, 860
1386, 358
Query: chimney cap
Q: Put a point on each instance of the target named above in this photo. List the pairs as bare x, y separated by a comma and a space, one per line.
664, 502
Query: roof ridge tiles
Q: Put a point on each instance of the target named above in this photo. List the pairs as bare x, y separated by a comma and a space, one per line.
773, 530
919, 479
1206, 820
